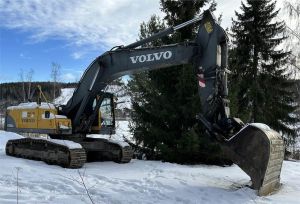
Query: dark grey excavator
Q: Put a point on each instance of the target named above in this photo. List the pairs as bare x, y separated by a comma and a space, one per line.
255, 148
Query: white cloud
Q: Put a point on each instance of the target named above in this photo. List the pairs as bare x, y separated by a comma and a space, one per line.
77, 55
94, 23
88, 24
24, 56
69, 77
227, 9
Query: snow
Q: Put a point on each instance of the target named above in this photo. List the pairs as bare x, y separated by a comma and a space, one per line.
258, 125
61, 116
134, 182
32, 105
64, 127
124, 102
261, 126
69, 144
4, 136
119, 142
118, 138
66, 94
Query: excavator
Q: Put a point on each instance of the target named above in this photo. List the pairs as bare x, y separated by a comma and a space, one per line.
255, 148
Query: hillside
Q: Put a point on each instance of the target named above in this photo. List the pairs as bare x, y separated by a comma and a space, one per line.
13, 94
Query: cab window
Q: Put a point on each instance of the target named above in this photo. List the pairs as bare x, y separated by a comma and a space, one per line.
106, 112
47, 114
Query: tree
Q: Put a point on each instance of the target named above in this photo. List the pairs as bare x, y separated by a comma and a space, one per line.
26, 77
165, 102
29, 76
292, 10
55, 73
21, 75
261, 85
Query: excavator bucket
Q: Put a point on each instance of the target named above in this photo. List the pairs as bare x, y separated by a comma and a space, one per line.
259, 151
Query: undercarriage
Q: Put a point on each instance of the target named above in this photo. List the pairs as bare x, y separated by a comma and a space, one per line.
69, 154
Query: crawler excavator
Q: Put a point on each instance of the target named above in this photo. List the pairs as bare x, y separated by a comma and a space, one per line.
255, 148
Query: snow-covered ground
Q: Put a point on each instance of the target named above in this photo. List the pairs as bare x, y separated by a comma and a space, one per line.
135, 182
66, 94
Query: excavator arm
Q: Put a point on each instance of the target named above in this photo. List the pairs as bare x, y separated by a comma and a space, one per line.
209, 65
257, 149
114, 64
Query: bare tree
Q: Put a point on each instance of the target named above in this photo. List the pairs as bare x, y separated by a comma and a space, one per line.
29, 80
21, 75
292, 10
55, 73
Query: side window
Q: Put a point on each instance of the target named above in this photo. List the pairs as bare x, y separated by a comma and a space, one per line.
47, 114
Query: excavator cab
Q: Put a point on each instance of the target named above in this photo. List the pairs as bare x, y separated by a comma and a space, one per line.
104, 122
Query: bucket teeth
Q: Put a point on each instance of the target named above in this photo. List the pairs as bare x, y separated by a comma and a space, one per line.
271, 180
259, 151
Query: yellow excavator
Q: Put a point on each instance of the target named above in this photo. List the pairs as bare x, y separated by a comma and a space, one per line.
42, 117
255, 148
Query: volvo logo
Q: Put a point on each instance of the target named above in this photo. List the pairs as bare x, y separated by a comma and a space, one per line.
151, 57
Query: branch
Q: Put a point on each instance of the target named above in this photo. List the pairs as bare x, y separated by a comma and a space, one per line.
87, 191
81, 182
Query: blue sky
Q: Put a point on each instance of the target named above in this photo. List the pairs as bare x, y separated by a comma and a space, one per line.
35, 33
18, 52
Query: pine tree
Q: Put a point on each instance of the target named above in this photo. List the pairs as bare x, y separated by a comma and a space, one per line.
165, 102
260, 85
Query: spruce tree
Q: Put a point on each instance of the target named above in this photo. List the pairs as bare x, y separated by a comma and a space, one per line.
165, 102
260, 87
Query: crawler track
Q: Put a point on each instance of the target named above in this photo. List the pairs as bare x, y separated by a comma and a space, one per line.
127, 154
99, 149
47, 151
